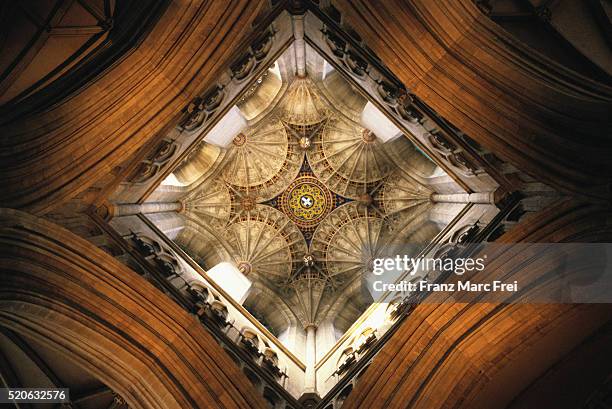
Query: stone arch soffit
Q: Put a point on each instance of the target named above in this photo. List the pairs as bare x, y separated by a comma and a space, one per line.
122, 329
280, 306
222, 248
353, 289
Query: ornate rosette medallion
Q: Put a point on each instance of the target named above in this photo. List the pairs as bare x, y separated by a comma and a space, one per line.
306, 201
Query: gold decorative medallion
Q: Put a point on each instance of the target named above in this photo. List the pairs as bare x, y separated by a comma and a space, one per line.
306, 201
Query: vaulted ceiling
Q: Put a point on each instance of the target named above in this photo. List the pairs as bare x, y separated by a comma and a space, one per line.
304, 197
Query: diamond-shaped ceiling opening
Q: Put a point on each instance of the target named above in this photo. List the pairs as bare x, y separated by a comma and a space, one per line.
291, 187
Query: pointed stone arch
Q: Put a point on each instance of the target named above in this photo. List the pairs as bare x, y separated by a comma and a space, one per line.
63, 292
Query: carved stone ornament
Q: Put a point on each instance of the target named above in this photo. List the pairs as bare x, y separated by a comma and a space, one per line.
202, 108
346, 56
155, 161
247, 63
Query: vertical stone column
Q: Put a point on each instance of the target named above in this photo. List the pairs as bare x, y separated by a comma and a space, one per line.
144, 208
310, 380
481, 197
299, 44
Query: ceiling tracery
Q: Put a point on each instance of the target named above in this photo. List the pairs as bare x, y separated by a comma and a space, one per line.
302, 104
262, 161
212, 205
400, 192
348, 158
265, 240
348, 240
307, 198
